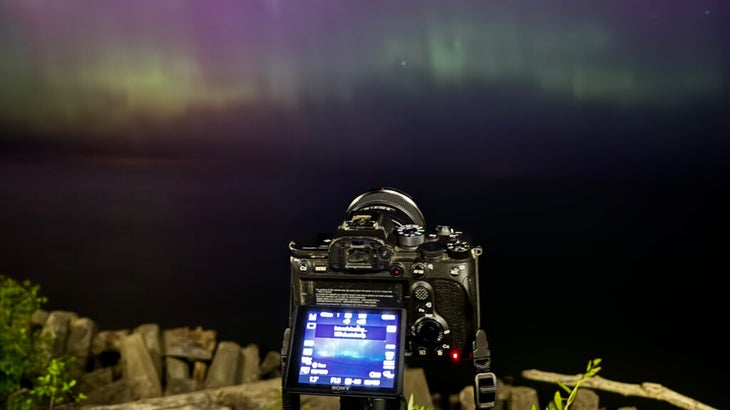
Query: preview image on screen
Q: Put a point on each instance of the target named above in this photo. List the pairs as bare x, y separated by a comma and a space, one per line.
349, 347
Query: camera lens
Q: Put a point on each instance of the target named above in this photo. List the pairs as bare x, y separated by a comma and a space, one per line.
397, 204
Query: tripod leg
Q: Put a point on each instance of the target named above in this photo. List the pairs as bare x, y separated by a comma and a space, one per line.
365, 403
289, 401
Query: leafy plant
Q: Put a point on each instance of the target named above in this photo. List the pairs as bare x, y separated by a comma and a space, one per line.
28, 376
18, 301
413, 406
563, 403
56, 385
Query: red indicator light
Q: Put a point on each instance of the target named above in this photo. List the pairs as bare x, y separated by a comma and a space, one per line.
455, 356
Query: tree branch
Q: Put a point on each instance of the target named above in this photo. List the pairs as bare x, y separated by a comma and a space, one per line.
646, 389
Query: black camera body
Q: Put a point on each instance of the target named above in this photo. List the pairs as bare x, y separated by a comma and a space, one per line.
383, 256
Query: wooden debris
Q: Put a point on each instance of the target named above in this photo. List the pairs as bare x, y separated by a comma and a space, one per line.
649, 390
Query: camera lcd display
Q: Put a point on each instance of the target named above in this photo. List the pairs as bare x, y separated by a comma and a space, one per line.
346, 351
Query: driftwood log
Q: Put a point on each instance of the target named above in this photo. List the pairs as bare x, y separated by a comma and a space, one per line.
256, 395
646, 389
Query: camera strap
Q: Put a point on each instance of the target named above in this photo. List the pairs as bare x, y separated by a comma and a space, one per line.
485, 382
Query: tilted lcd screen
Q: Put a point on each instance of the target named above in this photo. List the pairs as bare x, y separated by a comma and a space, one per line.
347, 351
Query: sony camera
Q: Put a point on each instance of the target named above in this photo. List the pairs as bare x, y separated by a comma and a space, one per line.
380, 291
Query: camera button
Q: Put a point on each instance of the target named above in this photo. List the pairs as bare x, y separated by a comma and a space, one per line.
418, 270
397, 270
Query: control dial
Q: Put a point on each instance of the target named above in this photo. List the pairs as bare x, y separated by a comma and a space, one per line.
432, 250
384, 252
458, 249
411, 235
430, 330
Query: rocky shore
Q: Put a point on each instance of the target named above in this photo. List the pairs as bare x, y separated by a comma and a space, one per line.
149, 368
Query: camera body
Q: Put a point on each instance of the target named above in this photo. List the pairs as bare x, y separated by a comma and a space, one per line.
382, 256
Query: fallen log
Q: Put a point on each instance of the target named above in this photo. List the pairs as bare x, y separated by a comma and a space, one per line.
256, 395
648, 390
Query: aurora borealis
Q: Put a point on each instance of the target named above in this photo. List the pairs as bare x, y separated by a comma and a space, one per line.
107, 67
156, 158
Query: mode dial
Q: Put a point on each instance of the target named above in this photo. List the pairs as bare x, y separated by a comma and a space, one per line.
411, 235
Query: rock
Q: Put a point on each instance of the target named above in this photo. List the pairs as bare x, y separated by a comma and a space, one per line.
120, 391
466, 398
503, 391
585, 399
414, 382
138, 368
193, 344
251, 370
522, 398
151, 335
108, 340
56, 329
38, 320
271, 365
176, 368
199, 371
96, 379
81, 334
226, 367
177, 377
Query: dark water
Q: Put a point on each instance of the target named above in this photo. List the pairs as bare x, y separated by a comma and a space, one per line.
628, 270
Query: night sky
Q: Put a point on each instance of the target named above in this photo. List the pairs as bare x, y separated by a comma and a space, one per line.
156, 158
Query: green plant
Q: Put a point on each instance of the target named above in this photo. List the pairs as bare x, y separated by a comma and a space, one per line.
28, 376
18, 361
413, 406
56, 385
563, 403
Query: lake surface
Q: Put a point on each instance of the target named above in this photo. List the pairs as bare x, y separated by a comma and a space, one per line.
628, 271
